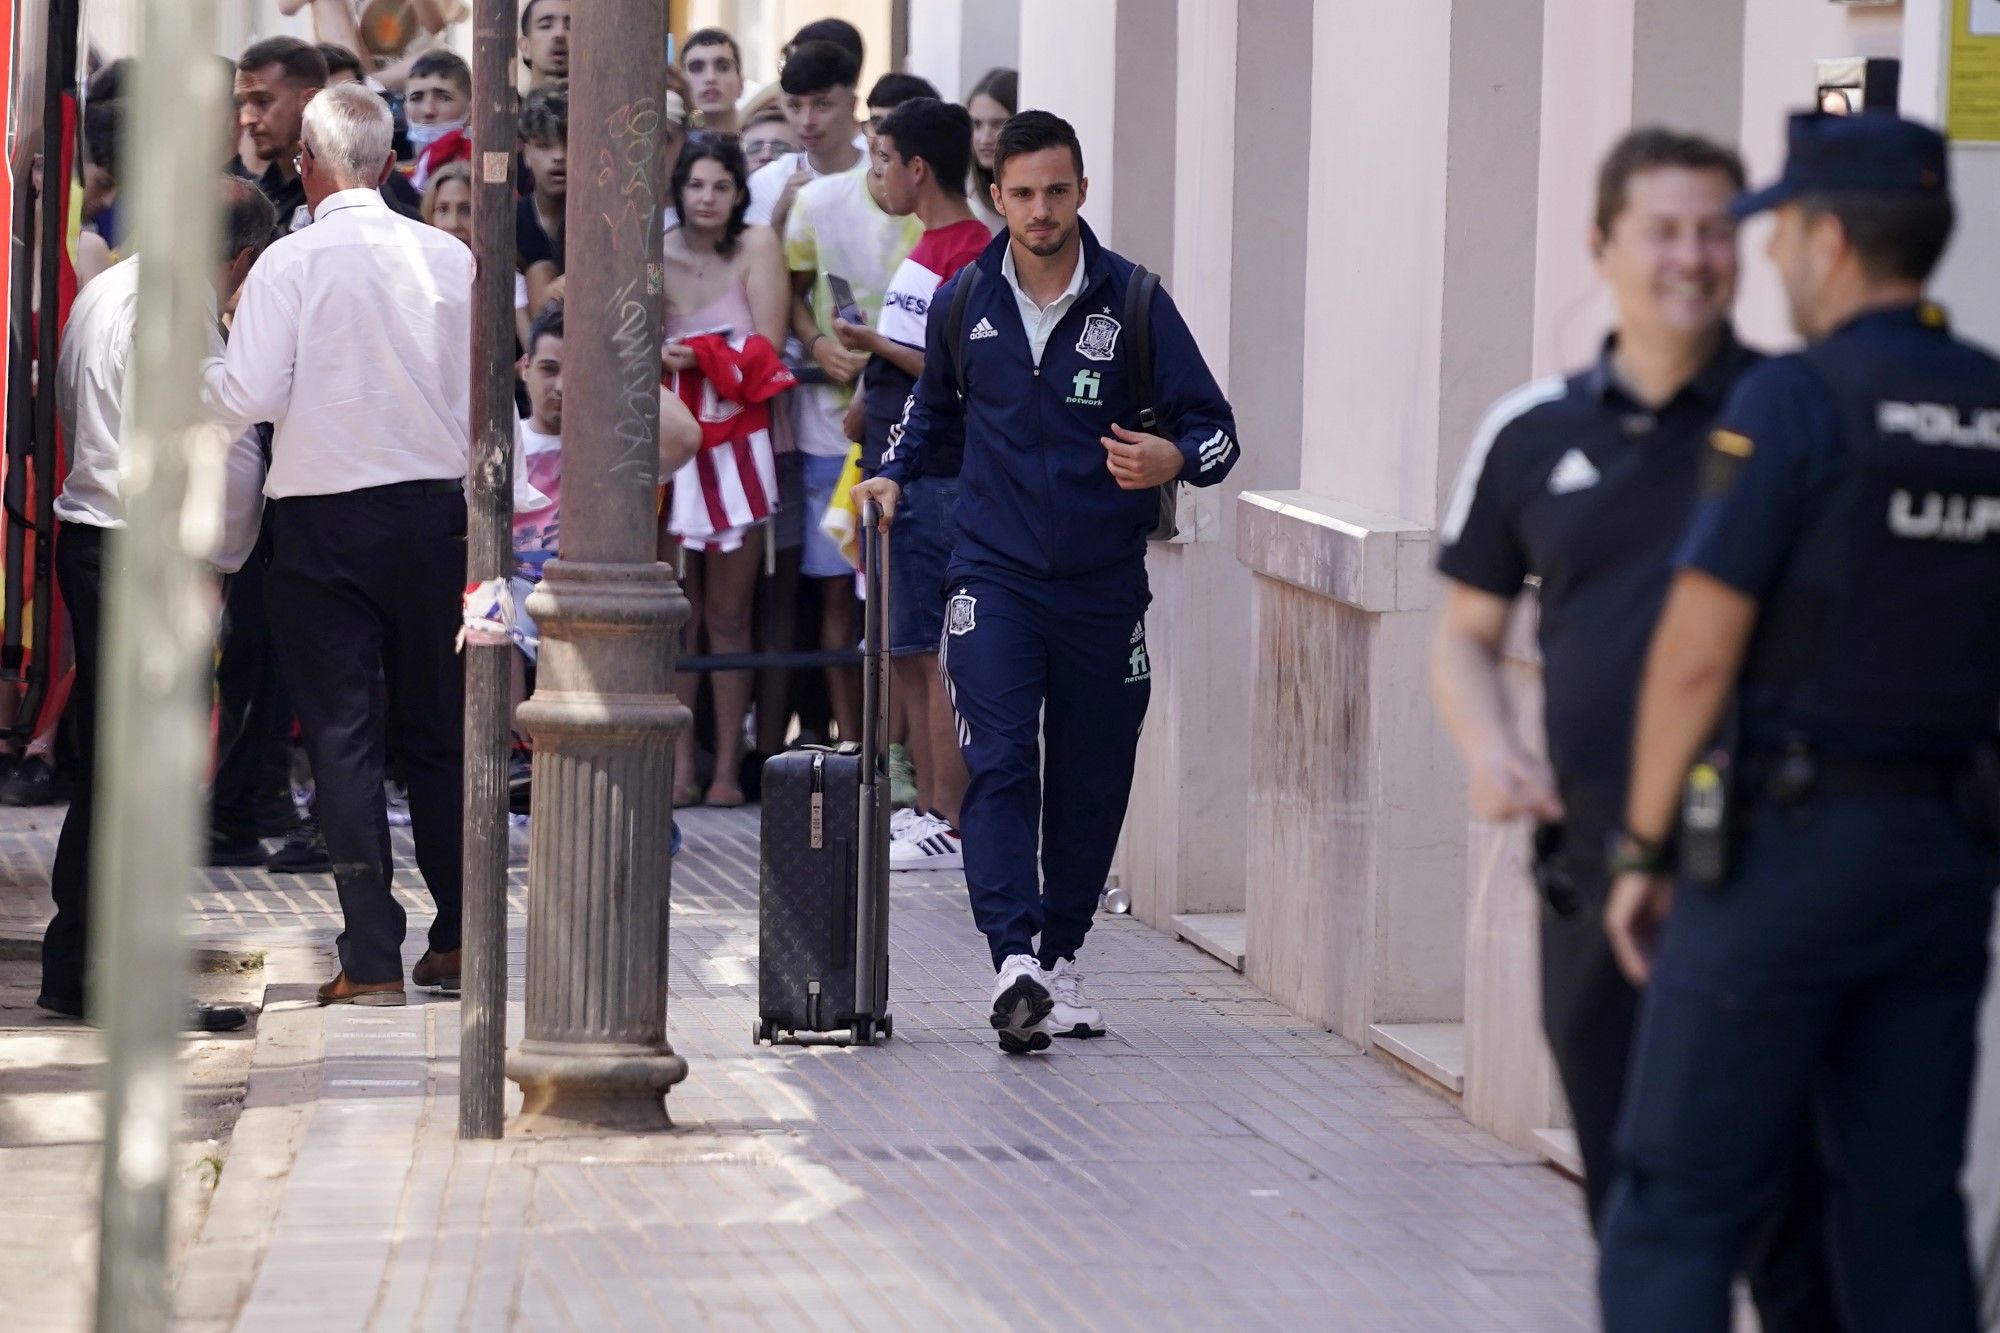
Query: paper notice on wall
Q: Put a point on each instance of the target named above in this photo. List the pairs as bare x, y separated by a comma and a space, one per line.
1972, 89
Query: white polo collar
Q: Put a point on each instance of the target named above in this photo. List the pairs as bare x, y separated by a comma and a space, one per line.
1069, 293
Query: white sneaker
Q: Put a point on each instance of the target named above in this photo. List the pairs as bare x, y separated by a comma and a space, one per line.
901, 819
1072, 1014
1020, 1005
926, 843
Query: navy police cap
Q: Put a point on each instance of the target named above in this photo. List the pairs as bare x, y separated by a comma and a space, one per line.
1875, 152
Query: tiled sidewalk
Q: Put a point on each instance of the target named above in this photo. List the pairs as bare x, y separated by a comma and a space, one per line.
1212, 1164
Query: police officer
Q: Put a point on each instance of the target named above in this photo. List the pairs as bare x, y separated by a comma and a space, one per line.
1586, 482
1045, 631
1826, 948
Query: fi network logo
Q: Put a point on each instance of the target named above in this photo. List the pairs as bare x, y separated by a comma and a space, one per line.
1087, 388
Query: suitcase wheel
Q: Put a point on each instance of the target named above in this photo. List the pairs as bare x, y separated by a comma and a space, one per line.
864, 1033
887, 1025
763, 1031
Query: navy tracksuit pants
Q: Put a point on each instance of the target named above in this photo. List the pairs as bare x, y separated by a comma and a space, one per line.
1050, 680
1837, 975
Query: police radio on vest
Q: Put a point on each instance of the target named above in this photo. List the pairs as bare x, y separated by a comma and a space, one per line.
1940, 423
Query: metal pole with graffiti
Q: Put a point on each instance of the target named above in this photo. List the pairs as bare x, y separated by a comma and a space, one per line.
489, 556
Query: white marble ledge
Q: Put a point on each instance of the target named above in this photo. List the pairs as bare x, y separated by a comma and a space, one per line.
1218, 934
1435, 1050
1558, 1147
1367, 559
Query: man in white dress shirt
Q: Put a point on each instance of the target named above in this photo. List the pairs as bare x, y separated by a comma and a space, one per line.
92, 395
353, 337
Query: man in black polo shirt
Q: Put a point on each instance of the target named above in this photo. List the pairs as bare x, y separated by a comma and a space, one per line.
1586, 483
275, 78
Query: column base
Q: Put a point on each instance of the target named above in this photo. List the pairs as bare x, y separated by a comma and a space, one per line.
595, 1059
566, 1091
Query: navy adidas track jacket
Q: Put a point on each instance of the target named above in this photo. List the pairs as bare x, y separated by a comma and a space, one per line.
1035, 495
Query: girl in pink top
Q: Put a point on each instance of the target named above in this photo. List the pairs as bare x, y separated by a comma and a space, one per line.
721, 274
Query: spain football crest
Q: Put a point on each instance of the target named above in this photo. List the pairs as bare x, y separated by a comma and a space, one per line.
1100, 338
959, 614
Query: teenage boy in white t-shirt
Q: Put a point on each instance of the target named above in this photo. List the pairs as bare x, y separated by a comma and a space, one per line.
834, 228
922, 152
819, 99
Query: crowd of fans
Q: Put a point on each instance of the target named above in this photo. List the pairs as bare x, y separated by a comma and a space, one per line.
799, 250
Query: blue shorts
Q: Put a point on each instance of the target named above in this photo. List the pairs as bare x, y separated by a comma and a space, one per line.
822, 559
920, 542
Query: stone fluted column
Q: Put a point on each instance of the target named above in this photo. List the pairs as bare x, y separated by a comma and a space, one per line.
594, 1055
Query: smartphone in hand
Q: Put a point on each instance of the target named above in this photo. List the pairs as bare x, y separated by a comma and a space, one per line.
844, 305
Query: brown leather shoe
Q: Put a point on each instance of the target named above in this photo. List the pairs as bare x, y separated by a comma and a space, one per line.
342, 991
437, 971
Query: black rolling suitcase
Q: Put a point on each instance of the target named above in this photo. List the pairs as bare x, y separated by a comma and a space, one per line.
823, 873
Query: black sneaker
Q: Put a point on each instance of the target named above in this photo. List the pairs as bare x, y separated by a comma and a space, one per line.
197, 1017
230, 852
304, 852
213, 1017
32, 782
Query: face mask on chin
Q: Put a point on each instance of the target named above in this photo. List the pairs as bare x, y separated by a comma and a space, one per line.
423, 136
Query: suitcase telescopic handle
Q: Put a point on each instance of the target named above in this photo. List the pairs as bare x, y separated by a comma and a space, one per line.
872, 869
874, 644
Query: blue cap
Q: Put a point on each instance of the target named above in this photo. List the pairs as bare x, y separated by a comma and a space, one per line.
1875, 152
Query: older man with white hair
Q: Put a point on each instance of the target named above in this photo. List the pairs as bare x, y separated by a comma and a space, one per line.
353, 337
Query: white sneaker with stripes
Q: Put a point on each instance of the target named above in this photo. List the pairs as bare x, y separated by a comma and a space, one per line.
926, 843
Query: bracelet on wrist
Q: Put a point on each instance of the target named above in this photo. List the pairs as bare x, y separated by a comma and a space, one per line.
814, 344
1630, 854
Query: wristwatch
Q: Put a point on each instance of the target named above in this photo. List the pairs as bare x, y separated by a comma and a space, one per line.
1630, 854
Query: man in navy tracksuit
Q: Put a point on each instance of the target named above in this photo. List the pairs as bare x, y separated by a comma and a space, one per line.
1045, 630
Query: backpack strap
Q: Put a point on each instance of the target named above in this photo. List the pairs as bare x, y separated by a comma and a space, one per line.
1139, 377
954, 321
1139, 342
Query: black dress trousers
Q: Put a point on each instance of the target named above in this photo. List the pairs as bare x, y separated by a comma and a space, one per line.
364, 595
80, 569
252, 770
